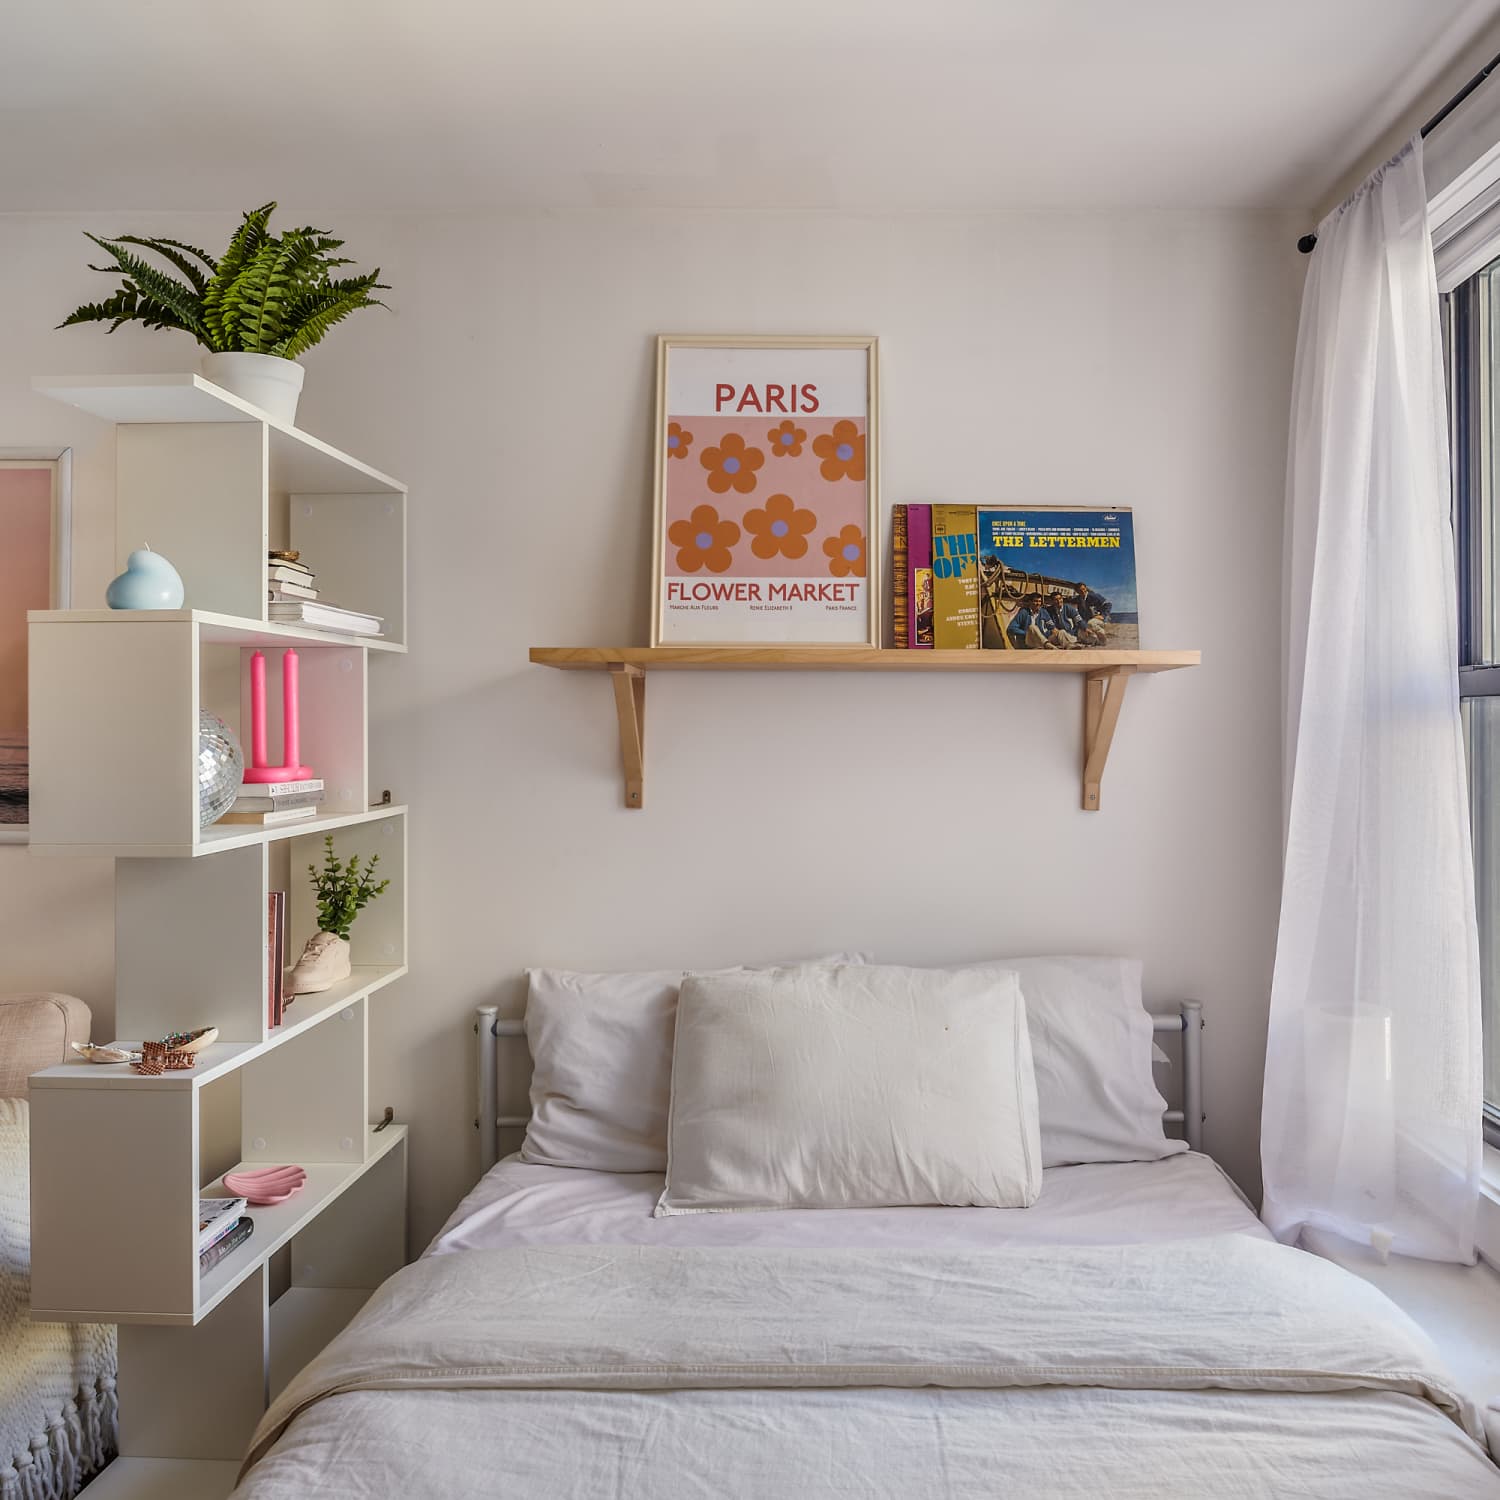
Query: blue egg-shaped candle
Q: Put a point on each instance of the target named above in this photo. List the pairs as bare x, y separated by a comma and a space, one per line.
148, 582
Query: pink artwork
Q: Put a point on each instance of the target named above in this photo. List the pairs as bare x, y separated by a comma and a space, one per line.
26, 510
766, 486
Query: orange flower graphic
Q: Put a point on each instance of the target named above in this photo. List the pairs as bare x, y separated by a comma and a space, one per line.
678, 441
786, 441
842, 452
780, 529
704, 541
731, 465
846, 553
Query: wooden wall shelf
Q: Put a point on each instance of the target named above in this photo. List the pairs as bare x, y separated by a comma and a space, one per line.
1105, 676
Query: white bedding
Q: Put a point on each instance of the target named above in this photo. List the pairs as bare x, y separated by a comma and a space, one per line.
1179, 1197
1223, 1366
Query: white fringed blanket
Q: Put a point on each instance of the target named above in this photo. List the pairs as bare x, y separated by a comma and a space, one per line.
57, 1380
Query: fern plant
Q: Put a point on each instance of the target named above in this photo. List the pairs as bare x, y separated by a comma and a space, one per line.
343, 889
267, 294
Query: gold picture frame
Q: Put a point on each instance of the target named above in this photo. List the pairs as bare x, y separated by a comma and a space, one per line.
782, 453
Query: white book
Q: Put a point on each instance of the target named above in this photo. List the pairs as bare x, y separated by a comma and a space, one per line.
280, 788
216, 1217
268, 819
324, 617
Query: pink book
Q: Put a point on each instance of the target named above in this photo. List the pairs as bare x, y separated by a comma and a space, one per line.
919, 566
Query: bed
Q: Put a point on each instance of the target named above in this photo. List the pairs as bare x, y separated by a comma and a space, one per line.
1133, 1332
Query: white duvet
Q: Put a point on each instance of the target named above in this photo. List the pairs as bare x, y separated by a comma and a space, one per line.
1225, 1366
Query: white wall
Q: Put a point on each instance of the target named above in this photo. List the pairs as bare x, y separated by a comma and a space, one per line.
1135, 360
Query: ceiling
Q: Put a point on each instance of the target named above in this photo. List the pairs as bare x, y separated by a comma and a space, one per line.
782, 104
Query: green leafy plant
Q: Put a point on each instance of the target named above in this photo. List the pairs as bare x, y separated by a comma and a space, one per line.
267, 294
343, 889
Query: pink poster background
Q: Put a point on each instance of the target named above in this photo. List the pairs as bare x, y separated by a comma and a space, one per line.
25, 580
834, 503
25, 583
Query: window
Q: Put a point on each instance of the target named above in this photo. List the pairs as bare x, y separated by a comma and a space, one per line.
1471, 335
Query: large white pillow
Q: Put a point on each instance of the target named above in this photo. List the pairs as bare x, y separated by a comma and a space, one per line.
601, 1067
1091, 1045
851, 1087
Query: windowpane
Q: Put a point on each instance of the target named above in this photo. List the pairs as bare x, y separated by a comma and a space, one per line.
1482, 733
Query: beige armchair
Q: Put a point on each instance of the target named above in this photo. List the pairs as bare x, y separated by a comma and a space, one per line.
57, 1380
35, 1032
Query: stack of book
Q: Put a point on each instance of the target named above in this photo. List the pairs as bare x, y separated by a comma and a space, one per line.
222, 1227
292, 599
325, 617
275, 802
289, 579
1041, 578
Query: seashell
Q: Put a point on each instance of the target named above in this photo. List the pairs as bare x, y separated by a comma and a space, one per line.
97, 1052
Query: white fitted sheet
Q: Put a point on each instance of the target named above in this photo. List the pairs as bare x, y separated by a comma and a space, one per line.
520, 1203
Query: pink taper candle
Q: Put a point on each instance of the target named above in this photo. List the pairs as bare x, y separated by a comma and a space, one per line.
291, 739
257, 710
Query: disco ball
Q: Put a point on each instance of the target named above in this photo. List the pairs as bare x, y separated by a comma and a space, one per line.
221, 767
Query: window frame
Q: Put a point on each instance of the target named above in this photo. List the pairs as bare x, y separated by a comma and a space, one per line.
1468, 320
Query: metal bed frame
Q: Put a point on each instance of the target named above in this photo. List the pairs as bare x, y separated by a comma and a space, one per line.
492, 1033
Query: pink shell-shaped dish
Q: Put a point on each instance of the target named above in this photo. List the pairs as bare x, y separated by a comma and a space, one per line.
265, 1186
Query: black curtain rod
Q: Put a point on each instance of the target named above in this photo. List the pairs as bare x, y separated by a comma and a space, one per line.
1308, 241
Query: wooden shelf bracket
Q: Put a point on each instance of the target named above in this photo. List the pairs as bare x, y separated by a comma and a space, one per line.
630, 708
1103, 694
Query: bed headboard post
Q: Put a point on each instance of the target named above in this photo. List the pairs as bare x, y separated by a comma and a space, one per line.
1187, 1021
1192, 1073
492, 1031
489, 1099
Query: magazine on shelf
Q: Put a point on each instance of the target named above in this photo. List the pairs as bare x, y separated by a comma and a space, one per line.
234, 1237
275, 956
1057, 578
919, 579
216, 1217
955, 579
900, 626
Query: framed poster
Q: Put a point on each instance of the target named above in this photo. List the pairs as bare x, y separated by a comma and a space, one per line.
34, 562
767, 487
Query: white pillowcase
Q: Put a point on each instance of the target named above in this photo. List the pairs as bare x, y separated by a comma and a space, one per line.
851, 1087
601, 1075
1091, 1044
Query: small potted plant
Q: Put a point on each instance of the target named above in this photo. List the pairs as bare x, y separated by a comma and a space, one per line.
343, 890
256, 309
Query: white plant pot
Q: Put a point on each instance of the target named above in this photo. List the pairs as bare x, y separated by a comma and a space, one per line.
263, 380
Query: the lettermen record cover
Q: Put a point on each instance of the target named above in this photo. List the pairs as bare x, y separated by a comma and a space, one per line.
1057, 579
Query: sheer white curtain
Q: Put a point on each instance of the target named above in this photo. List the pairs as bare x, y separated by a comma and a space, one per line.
1371, 1112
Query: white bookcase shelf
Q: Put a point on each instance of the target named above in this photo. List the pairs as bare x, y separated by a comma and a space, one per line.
211, 482
119, 1159
114, 706
299, 461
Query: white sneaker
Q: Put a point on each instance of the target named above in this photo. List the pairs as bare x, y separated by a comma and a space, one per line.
324, 962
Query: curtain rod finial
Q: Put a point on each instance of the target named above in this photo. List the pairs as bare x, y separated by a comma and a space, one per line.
1306, 243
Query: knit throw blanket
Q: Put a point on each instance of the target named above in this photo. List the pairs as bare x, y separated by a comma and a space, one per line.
57, 1380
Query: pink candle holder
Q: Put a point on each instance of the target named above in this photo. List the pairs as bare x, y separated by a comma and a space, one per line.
258, 773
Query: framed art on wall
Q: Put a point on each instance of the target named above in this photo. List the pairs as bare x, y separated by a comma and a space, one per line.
34, 566
767, 487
